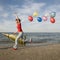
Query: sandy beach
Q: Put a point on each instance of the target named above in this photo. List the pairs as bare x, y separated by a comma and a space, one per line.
49, 52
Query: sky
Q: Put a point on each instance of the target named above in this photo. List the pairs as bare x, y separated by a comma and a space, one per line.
25, 8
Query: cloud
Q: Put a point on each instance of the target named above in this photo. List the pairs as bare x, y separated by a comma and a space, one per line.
28, 9
1, 8
4, 15
7, 26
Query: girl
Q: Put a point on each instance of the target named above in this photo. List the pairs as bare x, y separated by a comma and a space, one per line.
20, 32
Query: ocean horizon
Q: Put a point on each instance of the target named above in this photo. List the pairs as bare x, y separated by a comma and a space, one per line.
37, 37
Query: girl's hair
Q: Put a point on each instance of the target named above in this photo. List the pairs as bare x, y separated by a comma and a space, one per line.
18, 20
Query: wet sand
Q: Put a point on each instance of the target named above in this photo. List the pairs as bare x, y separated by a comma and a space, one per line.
48, 52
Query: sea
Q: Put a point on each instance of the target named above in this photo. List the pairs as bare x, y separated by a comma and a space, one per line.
40, 38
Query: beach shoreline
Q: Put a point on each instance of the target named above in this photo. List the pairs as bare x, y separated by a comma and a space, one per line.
48, 52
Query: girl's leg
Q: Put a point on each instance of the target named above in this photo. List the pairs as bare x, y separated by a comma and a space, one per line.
16, 40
